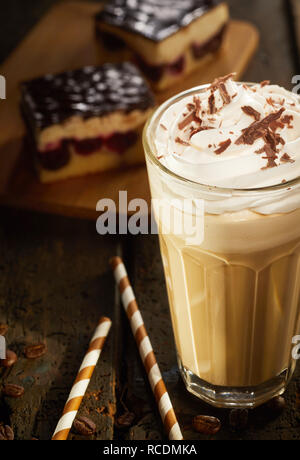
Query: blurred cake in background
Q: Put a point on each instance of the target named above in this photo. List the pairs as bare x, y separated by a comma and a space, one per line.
87, 120
167, 39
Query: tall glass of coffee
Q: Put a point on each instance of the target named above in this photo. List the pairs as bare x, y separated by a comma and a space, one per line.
224, 169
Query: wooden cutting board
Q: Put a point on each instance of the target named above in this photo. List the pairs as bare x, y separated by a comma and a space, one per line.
63, 40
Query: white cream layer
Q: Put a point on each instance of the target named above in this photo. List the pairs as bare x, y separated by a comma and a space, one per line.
239, 166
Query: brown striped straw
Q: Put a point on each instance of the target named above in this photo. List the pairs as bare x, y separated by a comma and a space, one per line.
146, 351
82, 380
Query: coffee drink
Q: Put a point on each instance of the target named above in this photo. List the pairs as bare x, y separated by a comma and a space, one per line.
233, 151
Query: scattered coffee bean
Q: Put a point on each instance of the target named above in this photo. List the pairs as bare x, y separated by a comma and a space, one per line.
125, 420
11, 359
238, 419
276, 405
84, 426
3, 328
6, 433
12, 390
206, 424
35, 351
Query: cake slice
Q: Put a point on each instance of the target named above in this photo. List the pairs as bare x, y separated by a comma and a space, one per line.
87, 120
166, 38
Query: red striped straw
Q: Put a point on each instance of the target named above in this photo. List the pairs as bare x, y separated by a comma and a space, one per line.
146, 351
82, 380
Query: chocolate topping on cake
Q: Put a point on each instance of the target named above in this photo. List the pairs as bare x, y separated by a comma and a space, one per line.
87, 92
154, 19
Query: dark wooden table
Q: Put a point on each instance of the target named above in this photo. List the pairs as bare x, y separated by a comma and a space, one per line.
55, 283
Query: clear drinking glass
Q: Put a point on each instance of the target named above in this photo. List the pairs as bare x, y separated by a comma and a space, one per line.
234, 292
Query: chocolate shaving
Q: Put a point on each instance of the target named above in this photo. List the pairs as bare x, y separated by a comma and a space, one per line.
190, 107
199, 129
248, 110
163, 126
276, 125
270, 139
197, 107
223, 146
279, 139
270, 101
287, 120
211, 104
286, 158
186, 121
259, 151
258, 128
264, 83
271, 164
216, 83
224, 94
181, 141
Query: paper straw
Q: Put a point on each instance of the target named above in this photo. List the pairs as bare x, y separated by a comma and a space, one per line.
146, 351
82, 380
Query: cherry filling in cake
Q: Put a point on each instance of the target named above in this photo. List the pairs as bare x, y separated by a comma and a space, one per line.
167, 38
156, 72
56, 158
211, 46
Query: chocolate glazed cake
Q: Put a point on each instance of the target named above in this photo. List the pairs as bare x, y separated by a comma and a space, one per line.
166, 38
87, 120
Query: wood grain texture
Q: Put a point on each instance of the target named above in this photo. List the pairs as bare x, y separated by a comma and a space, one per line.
148, 281
55, 284
63, 40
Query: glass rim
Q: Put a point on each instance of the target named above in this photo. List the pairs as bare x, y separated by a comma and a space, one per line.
149, 151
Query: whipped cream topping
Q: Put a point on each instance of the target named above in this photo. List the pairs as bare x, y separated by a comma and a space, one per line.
232, 135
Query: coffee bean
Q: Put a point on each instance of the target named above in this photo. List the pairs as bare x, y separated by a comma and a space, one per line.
238, 419
3, 328
11, 359
12, 390
276, 405
206, 425
35, 351
125, 420
6, 433
84, 426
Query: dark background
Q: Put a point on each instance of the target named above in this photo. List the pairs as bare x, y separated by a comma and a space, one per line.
54, 280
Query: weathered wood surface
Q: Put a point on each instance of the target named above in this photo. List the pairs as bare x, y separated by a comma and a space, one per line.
55, 283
